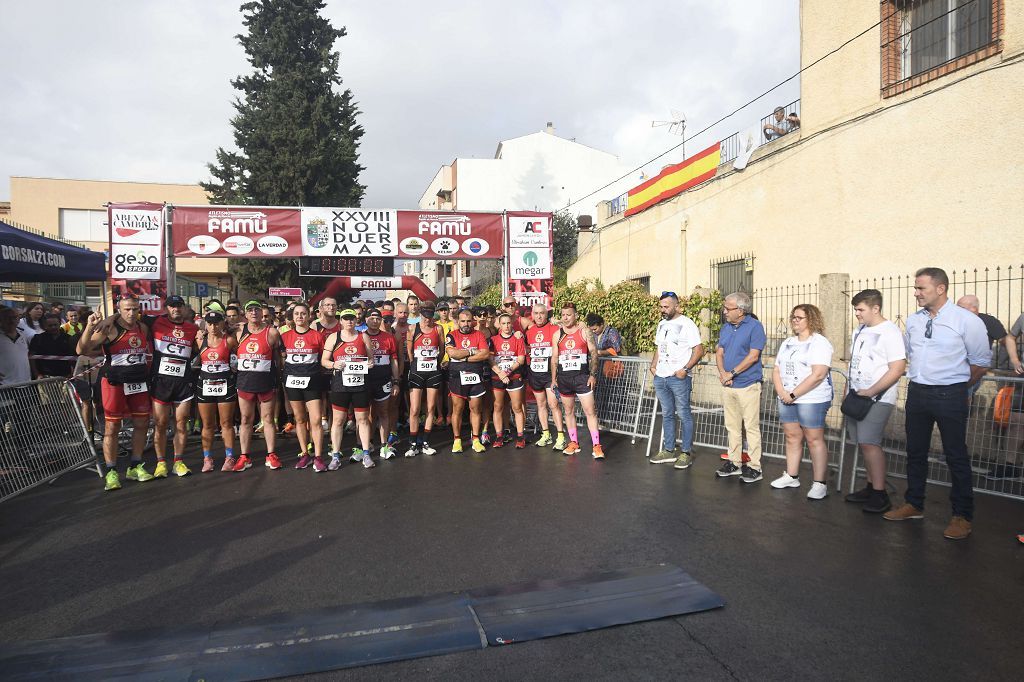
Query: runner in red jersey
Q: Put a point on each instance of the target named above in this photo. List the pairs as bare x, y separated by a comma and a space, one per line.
424, 347
215, 391
383, 380
347, 355
506, 369
575, 374
125, 393
303, 385
540, 342
469, 354
172, 384
258, 344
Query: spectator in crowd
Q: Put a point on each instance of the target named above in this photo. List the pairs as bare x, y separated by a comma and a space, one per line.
413, 303
677, 349
738, 357
996, 331
607, 338
948, 352
803, 387
53, 342
877, 361
14, 367
460, 302
57, 308
783, 124
387, 310
31, 321
233, 315
73, 327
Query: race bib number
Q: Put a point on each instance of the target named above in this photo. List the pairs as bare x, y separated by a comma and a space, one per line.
506, 365
132, 389
469, 378
172, 367
358, 367
539, 365
571, 363
426, 364
353, 380
296, 382
381, 360
541, 352
215, 387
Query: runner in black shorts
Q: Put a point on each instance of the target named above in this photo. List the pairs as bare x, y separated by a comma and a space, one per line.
383, 380
469, 354
303, 350
506, 366
575, 374
347, 355
216, 391
424, 345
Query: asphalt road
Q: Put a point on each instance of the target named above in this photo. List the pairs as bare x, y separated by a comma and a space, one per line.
814, 590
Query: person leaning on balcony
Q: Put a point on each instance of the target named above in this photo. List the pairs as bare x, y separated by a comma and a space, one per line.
783, 124
803, 387
995, 330
948, 352
677, 349
877, 361
738, 356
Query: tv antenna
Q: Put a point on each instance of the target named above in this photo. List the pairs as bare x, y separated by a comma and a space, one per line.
676, 126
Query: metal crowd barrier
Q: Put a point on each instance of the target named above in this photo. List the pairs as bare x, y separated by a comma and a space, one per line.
42, 435
995, 440
709, 418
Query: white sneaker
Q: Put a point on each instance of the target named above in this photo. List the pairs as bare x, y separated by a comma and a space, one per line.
818, 491
786, 481
412, 452
386, 452
427, 450
368, 462
357, 455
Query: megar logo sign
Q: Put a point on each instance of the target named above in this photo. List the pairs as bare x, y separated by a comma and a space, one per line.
530, 258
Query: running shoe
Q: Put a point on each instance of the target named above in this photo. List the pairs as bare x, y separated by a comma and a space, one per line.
335, 463
598, 451
258, 428
818, 491
242, 463
138, 473
288, 428
309, 447
545, 439
318, 465
498, 442
750, 475
561, 442
368, 462
485, 438
728, 469
664, 457
1020, 538
412, 451
357, 455
785, 481
180, 469
427, 450
745, 458
272, 462
112, 481
161, 469
229, 464
386, 451
571, 449
207, 465
684, 461
304, 461
456, 446
392, 438
520, 442
478, 446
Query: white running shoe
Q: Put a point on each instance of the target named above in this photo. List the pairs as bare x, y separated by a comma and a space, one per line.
818, 491
412, 451
335, 463
387, 452
785, 481
427, 450
368, 462
357, 455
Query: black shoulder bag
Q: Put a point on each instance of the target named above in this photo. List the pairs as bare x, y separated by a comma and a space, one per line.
856, 406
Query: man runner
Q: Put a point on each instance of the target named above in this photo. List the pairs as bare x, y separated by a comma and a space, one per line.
383, 380
540, 338
506, 368
424, 347
172, 383
469, 354
575, 374
303, 386
258, 345
125, 394
347, 355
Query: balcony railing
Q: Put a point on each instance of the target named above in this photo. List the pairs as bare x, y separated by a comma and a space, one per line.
733, 145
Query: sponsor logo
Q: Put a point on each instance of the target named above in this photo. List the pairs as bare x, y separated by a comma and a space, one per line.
316, 233
238, 246
237, 222
178, 333
374, 345
444, 246
448, 225
350, 350
413, 246
272, 245
203, 245
505, 346
136, 263
530, 258
130, 223
252, 347
538, 338
427, 341
465, 343
134, 342
213, 356
476, 247
299, 344
570, 343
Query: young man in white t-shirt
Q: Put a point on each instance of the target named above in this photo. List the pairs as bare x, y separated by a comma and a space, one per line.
878, 358
677, 349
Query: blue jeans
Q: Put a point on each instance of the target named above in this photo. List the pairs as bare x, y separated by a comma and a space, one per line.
674, 395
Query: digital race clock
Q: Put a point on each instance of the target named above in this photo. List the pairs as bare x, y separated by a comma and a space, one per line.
355, 266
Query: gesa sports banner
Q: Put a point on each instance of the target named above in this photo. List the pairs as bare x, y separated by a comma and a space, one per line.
236, 231
459, 236
675, 180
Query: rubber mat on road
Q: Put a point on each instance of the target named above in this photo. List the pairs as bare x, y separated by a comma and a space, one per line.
558, 607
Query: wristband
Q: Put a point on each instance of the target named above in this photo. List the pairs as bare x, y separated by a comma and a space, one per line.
792, 395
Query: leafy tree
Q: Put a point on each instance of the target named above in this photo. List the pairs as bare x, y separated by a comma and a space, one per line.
564, 239
295, 131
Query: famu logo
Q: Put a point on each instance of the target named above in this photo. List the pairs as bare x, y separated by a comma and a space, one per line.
138, 263
529, 268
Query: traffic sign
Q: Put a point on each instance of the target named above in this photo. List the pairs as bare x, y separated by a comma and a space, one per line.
202, 289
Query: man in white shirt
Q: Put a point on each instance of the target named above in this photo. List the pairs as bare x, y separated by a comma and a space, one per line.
948, 351
14, 365
677, 349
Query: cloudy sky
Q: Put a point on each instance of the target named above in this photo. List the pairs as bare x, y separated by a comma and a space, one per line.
139, 90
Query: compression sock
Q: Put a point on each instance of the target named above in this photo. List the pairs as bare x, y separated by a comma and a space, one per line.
229, 452
573, 435
595, 437
207, 454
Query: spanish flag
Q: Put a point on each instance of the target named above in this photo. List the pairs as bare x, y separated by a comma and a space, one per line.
675, 179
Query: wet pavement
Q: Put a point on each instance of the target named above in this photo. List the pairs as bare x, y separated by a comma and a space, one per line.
813, 589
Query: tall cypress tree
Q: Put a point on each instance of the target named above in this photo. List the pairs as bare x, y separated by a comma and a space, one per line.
295, 132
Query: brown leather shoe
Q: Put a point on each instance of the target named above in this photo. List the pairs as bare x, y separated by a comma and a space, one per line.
904, 513
958, 529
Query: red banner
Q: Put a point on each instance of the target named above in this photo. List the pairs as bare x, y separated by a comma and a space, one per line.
150, 292
430, 235
236, 231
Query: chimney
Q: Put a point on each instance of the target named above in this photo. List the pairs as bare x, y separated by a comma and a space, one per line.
550, 129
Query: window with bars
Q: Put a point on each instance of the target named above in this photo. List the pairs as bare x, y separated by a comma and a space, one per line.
925, 39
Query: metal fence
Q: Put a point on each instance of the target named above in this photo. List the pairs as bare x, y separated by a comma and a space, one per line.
772, 307
709, 418
42, 435
995, 440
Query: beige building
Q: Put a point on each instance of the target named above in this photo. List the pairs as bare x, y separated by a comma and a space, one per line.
74, 210
909, 153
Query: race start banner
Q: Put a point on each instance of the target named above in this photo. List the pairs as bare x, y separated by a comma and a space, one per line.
236, 231
137, 253
530, 258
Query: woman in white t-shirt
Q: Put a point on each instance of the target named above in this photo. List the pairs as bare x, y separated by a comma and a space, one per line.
31, 321
804, 389
878, 359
